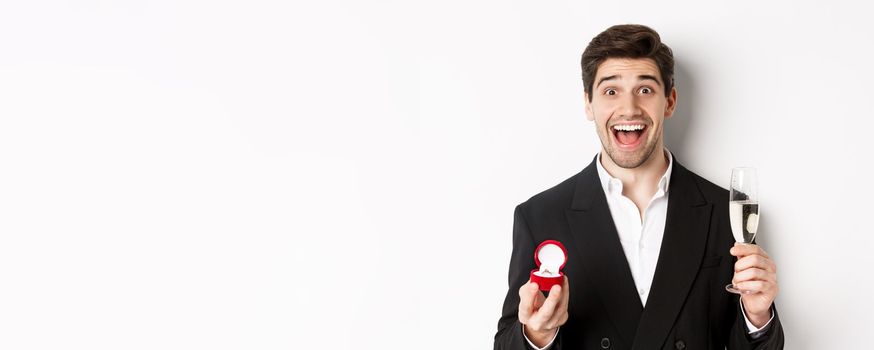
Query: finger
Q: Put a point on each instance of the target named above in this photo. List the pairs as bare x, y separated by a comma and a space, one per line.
563, 320
754, 286
753, 274
538, 299
559, 317
526, 301
545, 312
538, 296
744, 249
756, 261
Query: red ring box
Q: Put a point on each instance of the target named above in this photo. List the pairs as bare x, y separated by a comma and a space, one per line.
550, 257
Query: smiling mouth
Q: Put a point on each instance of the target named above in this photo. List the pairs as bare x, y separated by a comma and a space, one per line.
628, 135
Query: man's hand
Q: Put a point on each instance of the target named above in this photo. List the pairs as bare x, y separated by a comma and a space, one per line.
542, 315
756, 274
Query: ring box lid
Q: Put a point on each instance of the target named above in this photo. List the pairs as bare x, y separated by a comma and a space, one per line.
550, 255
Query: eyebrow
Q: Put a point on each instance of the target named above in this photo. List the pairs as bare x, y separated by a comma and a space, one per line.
639, 77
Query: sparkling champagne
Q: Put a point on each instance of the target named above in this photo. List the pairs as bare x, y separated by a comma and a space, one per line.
744, 217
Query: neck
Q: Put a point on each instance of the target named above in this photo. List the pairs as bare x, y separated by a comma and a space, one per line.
644, 177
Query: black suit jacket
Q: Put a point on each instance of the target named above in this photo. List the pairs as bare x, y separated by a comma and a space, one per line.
687, 308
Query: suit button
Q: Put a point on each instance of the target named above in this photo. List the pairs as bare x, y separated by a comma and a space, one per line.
605, 343
680, 345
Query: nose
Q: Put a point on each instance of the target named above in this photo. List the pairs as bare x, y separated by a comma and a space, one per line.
628, 106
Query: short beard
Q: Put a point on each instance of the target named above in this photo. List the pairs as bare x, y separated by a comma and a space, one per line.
629, 163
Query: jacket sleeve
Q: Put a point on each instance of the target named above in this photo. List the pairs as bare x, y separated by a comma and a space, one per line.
509, 335
771, 339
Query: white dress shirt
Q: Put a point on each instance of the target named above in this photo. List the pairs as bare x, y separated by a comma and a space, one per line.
641, 239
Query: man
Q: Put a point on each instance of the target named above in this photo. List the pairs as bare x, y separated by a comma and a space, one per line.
649, 243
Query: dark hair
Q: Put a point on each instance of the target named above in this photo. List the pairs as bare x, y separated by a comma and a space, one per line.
627, 41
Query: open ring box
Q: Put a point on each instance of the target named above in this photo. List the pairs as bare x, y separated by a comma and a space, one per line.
550, 257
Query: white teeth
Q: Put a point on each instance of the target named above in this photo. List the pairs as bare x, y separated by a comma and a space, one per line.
633, 127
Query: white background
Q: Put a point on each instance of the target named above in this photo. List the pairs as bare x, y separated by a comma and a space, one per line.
342, 174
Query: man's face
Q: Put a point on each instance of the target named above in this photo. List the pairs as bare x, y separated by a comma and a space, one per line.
629, 108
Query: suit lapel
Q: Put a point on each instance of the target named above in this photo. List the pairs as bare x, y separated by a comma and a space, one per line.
682, 250
594, 236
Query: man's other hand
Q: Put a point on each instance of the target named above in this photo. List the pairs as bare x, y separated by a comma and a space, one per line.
756, 274
541, 316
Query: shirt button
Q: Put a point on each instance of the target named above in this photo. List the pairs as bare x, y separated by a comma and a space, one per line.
605, 343
641, 291
680, 345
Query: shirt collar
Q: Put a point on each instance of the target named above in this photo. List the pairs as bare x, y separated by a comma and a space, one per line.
613, 185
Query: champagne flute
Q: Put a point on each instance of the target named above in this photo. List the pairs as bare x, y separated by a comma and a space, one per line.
743, 208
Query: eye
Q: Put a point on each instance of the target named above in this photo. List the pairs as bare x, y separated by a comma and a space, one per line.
610, 92
645, 90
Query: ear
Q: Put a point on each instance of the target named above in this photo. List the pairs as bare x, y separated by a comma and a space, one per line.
590, 115
671, 103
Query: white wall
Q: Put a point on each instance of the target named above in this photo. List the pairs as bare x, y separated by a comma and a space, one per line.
285, 175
